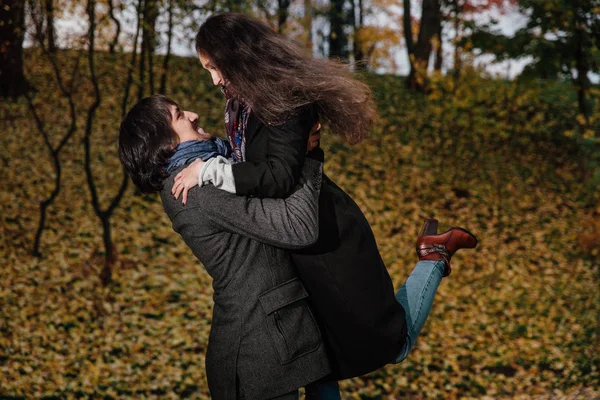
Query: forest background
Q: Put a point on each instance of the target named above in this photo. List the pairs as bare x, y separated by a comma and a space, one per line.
99, 298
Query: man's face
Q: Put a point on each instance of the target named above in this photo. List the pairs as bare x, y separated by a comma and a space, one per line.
185, 124
215, 74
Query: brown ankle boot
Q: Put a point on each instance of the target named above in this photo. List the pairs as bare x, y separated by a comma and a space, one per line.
434, 247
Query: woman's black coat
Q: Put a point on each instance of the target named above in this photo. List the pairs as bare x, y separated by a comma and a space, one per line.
350, 289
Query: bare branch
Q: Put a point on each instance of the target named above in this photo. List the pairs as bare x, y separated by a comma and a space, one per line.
53, 152
111, 13
103, 215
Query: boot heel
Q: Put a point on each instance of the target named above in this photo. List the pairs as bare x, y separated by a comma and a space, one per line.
429, 228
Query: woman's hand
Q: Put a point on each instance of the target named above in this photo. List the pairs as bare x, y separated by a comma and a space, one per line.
187, 179
314, 138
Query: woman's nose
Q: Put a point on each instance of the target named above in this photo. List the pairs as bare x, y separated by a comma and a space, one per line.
217, 80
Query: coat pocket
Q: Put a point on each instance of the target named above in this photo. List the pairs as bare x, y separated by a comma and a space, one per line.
290, 322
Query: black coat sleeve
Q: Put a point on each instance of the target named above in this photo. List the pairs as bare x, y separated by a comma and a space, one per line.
276, 174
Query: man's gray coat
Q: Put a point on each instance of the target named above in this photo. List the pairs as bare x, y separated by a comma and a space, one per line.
263, 333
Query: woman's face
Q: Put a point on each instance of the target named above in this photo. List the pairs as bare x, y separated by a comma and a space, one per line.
215, 74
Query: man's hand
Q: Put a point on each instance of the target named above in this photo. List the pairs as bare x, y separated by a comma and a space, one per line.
187, 179
314, 138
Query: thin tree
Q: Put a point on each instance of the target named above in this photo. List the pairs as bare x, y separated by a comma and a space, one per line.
357, 11
308, 17
103, 215
283, 13
338, 39
53, 151
456, 10
129, 80
115, 41
142, 67
582, 37
439, 54
50, 29
149, 12
149, 37
165, 68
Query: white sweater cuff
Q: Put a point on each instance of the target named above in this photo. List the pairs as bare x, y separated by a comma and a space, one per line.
218, 171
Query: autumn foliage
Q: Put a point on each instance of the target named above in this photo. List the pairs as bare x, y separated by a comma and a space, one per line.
518, 317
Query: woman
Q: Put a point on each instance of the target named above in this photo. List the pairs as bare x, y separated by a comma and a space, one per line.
275, 93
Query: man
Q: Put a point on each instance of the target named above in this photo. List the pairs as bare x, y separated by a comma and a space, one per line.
264, 342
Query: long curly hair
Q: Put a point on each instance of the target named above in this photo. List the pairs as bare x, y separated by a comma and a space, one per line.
277, 77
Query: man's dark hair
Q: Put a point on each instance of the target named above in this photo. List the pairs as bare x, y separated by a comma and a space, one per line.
277, 77
147, 141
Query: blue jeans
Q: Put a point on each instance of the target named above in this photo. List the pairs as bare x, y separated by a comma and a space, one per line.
416, 297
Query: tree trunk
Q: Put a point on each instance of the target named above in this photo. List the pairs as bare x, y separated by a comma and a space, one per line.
439, 54
111, 12
283, 13
407, 24
132, 65
429, 27
142, 68
142, 74
308, 23
165, 69
103, 215
457, 62
409, 39
583, 68
150, 14
50, 31
151, 71
357, 49
12, 31
149, 39
338, 40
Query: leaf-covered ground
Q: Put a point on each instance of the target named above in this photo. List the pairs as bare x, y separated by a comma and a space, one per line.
518, 317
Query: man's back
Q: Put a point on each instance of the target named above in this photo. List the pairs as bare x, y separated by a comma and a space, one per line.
262, 330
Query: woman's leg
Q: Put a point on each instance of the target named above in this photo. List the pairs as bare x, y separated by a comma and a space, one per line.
416, 297
323, 391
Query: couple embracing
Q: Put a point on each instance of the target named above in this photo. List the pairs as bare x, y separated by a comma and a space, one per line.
302, 297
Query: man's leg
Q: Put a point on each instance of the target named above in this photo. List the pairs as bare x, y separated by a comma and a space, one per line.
416, 297
288, 396
323, 391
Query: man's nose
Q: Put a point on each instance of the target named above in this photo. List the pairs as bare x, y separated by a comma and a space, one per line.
193, 117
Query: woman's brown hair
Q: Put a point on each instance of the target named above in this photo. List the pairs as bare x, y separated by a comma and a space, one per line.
277, 77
